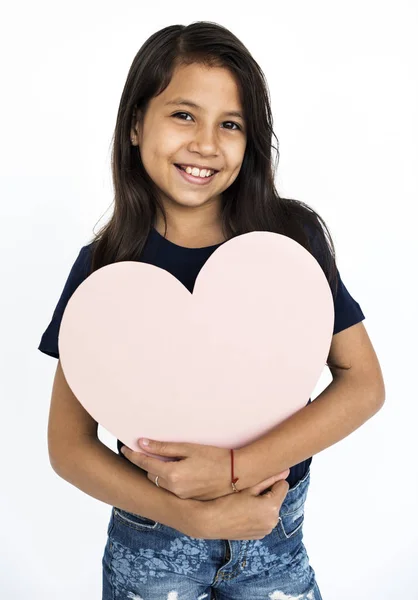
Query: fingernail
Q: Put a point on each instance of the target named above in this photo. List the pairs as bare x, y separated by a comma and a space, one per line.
144, 441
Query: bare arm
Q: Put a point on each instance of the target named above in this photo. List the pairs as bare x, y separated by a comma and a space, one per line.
356, 393
78, 456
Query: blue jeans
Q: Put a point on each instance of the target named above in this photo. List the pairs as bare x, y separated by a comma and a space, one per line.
146, 560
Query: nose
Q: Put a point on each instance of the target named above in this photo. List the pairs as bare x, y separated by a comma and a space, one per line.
205, 142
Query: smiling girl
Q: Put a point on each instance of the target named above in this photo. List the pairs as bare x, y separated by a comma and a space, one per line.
192, 168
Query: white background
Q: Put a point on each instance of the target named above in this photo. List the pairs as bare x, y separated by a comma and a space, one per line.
343, 83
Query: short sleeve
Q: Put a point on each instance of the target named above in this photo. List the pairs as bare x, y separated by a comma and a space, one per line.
79, 271
347, 311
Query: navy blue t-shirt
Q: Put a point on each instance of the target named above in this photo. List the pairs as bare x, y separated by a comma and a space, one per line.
184, 264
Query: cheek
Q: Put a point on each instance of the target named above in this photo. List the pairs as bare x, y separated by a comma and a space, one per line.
156, 166
233, 174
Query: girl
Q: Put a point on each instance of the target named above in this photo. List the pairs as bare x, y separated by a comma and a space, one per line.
192, 168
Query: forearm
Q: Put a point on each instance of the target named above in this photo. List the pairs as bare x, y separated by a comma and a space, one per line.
101, 473
340, 409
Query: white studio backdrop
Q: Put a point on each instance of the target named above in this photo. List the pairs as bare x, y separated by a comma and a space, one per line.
344, 92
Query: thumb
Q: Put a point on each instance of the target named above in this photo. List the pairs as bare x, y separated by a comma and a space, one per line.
279, 492
173, 449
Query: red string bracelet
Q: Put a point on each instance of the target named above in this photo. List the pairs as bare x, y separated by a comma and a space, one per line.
233, 479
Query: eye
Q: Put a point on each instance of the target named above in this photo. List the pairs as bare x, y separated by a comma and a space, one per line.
185, 113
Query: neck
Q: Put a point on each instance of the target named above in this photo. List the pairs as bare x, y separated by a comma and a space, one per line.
192, 229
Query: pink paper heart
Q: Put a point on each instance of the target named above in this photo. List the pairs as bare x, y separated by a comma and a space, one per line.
220, 366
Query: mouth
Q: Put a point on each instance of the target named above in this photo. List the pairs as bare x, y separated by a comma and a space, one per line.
192, 179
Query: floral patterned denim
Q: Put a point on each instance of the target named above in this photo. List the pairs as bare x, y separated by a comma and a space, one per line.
146, 560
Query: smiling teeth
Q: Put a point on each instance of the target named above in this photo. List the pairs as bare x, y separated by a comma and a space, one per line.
196, 172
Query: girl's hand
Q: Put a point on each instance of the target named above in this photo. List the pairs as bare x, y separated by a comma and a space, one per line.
201, 472
249, 515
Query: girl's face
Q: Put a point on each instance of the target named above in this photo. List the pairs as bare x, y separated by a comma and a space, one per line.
205, 135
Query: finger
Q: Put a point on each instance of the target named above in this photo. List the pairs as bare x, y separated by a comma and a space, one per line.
152, 477
172, 449
153, 465
264, 485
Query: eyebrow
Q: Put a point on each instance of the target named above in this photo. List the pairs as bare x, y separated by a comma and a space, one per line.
184, 102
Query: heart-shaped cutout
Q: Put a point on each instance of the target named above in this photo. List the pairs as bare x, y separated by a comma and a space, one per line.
220, 366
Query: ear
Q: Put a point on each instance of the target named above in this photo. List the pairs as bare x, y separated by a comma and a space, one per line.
136, 128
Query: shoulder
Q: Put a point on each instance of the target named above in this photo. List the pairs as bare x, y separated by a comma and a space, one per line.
86, 252
320, 244
315, 231
348, 311
79, 271
81, 265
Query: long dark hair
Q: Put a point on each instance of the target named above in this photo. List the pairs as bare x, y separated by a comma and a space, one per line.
252, 202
